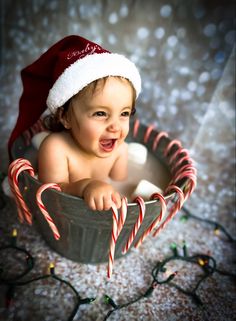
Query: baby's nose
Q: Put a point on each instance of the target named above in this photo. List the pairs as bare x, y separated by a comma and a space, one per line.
114, 126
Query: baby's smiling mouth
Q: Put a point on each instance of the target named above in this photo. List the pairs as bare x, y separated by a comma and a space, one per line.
107, 145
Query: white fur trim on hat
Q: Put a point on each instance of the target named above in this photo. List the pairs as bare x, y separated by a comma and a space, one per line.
86, 70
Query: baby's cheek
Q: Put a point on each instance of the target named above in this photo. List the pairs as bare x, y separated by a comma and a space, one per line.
92, 132
126, 130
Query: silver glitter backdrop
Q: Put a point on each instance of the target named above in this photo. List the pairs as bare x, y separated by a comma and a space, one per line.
185, 51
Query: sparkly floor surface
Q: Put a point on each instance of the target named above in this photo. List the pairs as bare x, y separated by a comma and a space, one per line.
50, 300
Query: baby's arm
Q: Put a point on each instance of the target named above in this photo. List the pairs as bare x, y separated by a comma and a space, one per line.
97, 194
53, 168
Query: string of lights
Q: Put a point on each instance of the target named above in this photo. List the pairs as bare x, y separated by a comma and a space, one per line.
206, 263
14, 281
78, 300
148, 292
217, 226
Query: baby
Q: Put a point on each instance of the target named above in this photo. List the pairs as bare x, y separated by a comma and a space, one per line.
91, 97
91, 147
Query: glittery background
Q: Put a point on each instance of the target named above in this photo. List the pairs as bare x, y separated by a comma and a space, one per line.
185, 51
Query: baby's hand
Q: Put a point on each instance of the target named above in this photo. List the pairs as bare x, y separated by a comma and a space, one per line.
100, 196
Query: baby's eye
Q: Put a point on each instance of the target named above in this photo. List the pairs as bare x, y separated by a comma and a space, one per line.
100, 114
125, 114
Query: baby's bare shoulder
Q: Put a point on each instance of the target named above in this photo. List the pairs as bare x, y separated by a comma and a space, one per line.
52, 159
53, 146
55, 139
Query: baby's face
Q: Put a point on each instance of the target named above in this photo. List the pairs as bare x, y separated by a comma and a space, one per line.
99, 120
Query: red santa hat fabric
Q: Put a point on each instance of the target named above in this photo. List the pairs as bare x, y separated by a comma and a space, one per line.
61, 72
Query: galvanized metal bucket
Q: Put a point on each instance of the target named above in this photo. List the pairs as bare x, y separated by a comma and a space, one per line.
85, 234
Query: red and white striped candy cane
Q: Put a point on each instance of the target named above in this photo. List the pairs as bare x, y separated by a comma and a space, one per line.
170, 145
190, 175
123, 214
148, 133
191, 185
136, 127
189, 188
174, 209
138, 223
157, 139
177, 153
114, 235
43, 209
15, 168
11, 169
25, 210
184, 168
153, 225
180, 161
117, 225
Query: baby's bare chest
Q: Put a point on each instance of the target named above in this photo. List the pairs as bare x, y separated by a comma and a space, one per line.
99, 168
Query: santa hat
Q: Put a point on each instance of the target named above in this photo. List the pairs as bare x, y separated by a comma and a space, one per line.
61, 72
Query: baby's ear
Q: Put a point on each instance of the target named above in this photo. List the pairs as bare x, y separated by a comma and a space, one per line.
63, 117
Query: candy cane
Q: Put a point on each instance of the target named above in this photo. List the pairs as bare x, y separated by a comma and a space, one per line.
34, 129
175, 208
170, 145
187, 174
123, 214
137, 225
43, 209
178, 153
11, 169
180, 161
136, 127
114, 235
15, 168
189, 188
117, 225
186, 167
153, 225
25, 210
148, 133
191, 185
157, 139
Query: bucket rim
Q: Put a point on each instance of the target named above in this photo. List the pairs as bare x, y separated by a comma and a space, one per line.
167, 197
